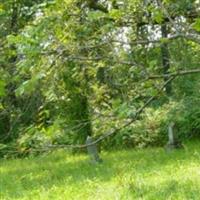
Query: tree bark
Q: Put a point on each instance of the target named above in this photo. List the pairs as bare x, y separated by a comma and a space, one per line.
165, 59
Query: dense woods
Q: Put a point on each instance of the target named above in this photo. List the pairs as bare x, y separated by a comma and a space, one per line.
119, 71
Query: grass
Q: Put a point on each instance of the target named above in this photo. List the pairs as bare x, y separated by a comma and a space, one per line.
149, 174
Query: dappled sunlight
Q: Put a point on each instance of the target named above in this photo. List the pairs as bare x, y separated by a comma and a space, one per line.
147, 174
99, 100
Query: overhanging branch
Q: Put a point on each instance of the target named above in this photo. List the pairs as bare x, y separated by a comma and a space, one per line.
179, 73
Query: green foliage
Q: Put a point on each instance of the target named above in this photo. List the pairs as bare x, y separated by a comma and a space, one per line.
31, 139
77, 68
196, 25
150, 130
188, 119
2, 88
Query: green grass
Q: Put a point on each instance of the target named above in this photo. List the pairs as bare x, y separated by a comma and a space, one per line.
135, 174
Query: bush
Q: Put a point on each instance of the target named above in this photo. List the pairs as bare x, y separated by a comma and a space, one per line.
151, 129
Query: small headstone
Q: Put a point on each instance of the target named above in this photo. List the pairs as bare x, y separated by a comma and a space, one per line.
92, 150
173, 142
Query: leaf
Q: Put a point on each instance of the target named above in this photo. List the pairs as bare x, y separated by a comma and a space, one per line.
196, 25
26, 87
115, 13
95, 15
2, 88
158, 17
2, 9
3, 146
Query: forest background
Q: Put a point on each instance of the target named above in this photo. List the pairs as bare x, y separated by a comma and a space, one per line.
120, 71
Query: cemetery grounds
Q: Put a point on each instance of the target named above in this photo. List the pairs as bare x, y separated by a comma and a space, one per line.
149, 174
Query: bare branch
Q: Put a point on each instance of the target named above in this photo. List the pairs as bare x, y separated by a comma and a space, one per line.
179, 73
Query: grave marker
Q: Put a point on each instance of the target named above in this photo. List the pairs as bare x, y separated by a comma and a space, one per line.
173, 142
92, 150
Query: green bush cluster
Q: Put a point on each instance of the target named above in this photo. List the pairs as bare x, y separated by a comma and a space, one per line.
151, 129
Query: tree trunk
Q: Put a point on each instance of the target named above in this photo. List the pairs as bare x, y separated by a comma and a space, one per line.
165, 59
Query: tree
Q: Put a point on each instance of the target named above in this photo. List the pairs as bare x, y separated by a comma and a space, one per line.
92, 66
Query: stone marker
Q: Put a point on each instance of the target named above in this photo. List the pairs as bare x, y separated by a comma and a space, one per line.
173, 142
92, 150
171, 133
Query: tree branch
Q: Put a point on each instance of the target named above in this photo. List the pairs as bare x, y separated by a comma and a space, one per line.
179, 73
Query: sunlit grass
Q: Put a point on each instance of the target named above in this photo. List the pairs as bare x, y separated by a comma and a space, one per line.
135, 174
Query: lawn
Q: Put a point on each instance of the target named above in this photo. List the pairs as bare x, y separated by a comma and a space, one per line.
150, 174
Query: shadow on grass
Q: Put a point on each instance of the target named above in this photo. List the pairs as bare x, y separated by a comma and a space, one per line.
57, 170
34, 174
171, 189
